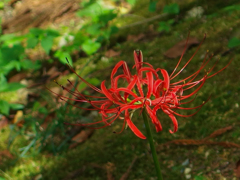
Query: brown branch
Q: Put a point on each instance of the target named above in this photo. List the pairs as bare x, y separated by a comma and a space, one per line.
205, 141
126, 174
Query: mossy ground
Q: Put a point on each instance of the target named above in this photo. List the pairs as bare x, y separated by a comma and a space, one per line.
205, 161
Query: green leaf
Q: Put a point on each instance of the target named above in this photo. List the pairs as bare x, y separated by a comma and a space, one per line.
86, 4
90, 47
105, 34
6, 37
4, 107
16, 106
152, 6
171, 9
131, 2
79, 39
12, 53
50, 61
101, 38
113, 29
92, 10
36, 106
28, 64
32, 42
163, 26
11, 65
199, 178
47, 43
8, 87
234, 42
94, 81
12, 39
1, 7
81, 86
43, 110
93, 29
3, 80
61, 55
232, 8
36, 31
171, 21
107, 16
17, 65
52, 32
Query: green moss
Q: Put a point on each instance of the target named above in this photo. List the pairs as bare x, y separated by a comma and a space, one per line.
9, 96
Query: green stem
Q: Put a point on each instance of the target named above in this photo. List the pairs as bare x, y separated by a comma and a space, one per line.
150, 140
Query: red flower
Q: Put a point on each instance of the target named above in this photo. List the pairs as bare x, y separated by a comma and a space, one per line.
149, 88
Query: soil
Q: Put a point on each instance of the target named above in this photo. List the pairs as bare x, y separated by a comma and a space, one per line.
21, 15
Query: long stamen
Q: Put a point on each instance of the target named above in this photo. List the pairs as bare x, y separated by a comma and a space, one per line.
188, 60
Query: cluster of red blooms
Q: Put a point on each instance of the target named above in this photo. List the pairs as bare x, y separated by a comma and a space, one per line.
149, 88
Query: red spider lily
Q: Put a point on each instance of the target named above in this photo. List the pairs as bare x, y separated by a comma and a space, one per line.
149, 88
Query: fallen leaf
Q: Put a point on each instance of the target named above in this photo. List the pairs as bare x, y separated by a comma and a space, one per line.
56, 89
81, 137
64, 92
17, 77
48, 120
219, 132
111, 53
6, 154
75, 174
110, 167
135, 38
177, 49
94, 165
38, 177
23, 93
18, 118
3, 122
53, 73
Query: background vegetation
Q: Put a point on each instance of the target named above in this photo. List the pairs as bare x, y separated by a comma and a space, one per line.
34, 141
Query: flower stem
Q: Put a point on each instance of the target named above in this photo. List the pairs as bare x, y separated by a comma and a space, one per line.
150, 140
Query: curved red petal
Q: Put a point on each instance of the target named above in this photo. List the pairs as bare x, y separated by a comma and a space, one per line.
139, 86
134, 129
166, 79
149, 69
138, 58
154, 119
130, 86
107, 94
175, 123
150, 84
127, 91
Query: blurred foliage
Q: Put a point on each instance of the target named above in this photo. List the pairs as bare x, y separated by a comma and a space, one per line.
93, 33
89, 38
234, 42
38, 138
165, 26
